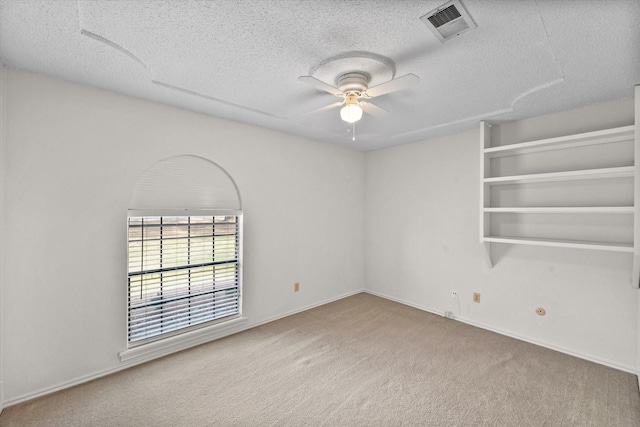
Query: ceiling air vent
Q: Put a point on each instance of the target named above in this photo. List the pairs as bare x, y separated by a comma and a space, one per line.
449, 20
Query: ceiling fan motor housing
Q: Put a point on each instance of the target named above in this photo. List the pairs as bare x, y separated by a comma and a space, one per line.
355, 81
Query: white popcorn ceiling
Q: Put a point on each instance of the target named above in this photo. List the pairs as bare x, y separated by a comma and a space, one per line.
241, 59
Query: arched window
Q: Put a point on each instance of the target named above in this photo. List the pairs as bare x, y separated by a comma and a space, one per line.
184, 249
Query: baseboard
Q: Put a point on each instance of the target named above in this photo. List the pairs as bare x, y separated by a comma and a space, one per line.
138, 361
610, 364
122, 366
308, 307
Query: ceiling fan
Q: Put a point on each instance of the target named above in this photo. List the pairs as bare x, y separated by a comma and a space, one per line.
353, 88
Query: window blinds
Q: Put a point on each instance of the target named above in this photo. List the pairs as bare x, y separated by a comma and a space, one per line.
183, 271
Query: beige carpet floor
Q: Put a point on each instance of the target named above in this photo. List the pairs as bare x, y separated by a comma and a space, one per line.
360, 361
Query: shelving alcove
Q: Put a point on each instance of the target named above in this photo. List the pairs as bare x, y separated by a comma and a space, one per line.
578, 191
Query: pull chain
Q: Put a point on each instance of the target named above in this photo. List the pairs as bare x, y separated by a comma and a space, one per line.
353, 131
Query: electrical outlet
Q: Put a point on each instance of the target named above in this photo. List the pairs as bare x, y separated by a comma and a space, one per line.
454, 293
296, 287
476, 297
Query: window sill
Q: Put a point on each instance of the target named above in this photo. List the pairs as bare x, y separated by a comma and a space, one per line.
176, 343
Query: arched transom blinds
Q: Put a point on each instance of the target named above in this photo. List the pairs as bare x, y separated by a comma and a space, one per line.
184, 228
185, 182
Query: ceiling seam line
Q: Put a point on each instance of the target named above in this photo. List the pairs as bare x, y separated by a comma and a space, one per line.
546, 33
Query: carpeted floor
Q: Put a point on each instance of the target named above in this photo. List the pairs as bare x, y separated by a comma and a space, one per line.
360, 361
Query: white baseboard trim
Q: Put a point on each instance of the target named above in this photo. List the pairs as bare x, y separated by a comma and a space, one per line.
242, 326
629, 369
308, 307
129, 362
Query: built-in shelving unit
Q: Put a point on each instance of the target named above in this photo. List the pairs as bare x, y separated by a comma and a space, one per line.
538, 199
571, 210
617, 247
619, 172
581, 140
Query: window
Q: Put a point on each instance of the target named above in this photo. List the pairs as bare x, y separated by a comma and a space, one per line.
184, 272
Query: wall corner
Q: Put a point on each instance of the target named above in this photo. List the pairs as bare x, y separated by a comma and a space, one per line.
3, 108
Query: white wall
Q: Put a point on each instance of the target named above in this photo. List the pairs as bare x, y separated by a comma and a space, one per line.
72, 156
421, 239
72, 153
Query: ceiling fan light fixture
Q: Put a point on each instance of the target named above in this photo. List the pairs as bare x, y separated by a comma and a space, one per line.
351, 113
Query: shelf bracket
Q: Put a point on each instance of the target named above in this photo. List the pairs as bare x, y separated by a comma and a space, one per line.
635, 274
487, 253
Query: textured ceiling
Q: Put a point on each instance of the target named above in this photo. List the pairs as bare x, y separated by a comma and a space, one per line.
242, 59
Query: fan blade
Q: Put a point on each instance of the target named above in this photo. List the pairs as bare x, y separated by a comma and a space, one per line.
400, 83
325, 108
320, 85
373, 109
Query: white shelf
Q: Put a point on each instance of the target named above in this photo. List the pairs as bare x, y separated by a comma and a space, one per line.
625, 133
622, 135
569, 210
616, 247
619, 172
